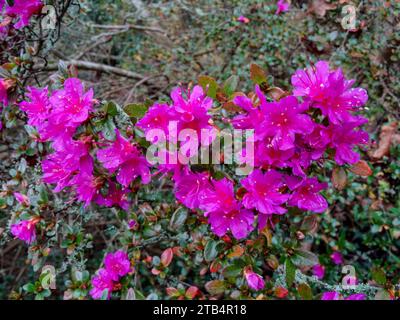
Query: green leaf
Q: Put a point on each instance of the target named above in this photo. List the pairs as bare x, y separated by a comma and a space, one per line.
209, 85
210, 251
111, 108
29, 287
232, 271
379, 276
230, 85
135, 110
178, 219
290, 272
303, 258
109, 129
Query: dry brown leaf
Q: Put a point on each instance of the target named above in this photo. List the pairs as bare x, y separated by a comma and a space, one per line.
361, 168
385, 140
320, 7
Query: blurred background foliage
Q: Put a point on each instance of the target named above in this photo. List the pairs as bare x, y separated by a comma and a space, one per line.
135, 50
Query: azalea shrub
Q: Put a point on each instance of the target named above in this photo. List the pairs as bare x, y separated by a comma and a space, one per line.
215, 192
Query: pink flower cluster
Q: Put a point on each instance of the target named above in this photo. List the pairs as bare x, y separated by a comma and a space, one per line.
289, 136
56, 117
117, 265
315, 124
21, 10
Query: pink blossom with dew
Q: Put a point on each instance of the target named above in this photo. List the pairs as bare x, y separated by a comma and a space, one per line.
38, 108
117, 264
192, 113
22, 199
224, 211
318, 271
329, 91
243, 19
101, 282
306, 195
125, 159
337, 258
282, 6
254, 280
283, 120
330, 295
61, 166
344, 138
265, 154
70, 108
86, 184
191, 188
23, 10
25, 230
263, 192
114, 197
159, 117
253, 115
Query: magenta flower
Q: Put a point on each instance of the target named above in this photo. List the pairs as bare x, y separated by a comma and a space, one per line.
254, 280
283, 119
192, 113
85, 183
117, 264
224, 212
3, 93
71, 104
101, 282
265, 154
263, 192
282, 6
306, 195
115, 197
70, 107
243, 19
344, 138
24, 10
38, 107
22, 199
61, 166
337, 257
329, 91
253, 116
191, 187
25, 230
330, 295
312, 82
124, 157
157, 117
319, 271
